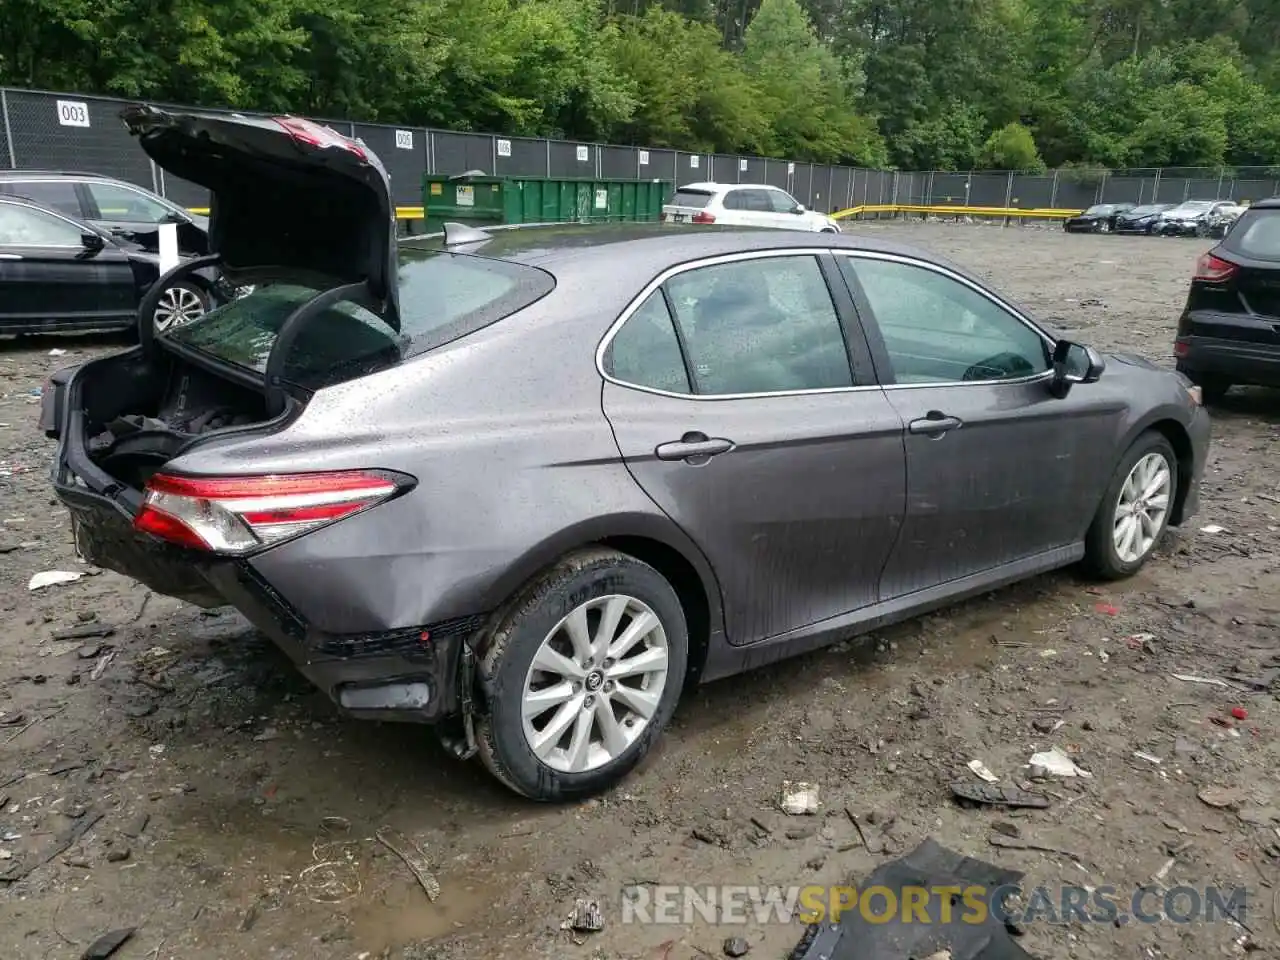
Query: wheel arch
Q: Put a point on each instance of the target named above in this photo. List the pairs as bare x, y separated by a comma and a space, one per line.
1176, 433
649, 539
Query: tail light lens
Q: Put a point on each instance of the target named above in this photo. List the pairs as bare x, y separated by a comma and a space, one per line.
233, 515
316, 135
703, 217
1213, 269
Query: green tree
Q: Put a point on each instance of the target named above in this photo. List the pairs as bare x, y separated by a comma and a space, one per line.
1012, 147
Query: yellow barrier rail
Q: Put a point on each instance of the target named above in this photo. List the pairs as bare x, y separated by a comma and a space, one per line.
1045, 213
402, 213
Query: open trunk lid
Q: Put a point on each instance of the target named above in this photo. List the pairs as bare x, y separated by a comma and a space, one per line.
292, 200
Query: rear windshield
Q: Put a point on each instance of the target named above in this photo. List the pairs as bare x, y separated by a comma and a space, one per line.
1256, 235
443, 296
691, 198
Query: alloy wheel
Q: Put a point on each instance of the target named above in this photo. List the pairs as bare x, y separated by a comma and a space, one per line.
1142, 507
178, 306
594, 684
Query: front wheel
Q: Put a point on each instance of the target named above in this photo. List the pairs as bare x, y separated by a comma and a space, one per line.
1135, 510
580, 676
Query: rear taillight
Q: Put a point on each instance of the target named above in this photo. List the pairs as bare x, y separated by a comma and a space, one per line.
703, 217
1213, 269
316, 135
237, 514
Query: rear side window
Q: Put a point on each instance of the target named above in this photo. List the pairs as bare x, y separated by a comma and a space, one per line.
691, 198
1256, 235
443, 296
58, 194
646, 352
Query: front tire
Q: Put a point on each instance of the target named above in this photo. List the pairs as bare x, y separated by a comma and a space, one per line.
1135, 509
180, 304
580, 675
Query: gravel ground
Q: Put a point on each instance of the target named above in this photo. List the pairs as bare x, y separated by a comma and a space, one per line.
226, 811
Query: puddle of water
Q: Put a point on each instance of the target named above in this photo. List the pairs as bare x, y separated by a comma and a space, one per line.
401, 913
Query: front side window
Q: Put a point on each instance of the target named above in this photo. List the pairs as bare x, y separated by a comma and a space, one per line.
763, 325
939, 330
645, 352
115, 202
735, 200
25, 227
781, 201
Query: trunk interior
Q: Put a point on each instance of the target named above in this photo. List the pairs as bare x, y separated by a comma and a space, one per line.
140, 412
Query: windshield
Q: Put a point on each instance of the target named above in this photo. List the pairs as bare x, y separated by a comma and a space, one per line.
1101, 208
443, 296
1148, 208
1192, 206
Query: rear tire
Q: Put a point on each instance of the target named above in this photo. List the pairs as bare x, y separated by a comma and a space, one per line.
181, 303
1135, 509
565, 696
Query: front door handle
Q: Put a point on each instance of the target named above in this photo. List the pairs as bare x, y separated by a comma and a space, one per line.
693, 447
934, 423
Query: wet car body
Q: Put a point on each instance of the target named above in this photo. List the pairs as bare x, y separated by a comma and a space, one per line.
1197, 218
1100, 218
519, 474
1141, 219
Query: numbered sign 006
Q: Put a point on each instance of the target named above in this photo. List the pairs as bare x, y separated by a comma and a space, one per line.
73, 113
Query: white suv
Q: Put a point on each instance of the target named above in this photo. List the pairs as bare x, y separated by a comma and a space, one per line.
744, 205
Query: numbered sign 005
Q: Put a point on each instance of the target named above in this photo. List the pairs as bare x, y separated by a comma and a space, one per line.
73, 113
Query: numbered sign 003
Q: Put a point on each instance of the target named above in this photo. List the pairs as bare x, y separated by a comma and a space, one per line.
73, 113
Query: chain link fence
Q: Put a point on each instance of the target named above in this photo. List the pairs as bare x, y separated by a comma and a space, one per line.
74, 132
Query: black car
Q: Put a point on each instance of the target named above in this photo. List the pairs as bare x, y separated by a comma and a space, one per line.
1229, 332
1140, 219
125, 210
1100, 218
59, 273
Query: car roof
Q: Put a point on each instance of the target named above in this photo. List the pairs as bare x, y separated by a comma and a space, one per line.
646, 249
1270, 203
713, 187
56, 175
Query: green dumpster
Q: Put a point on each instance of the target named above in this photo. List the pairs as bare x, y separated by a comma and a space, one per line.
479, 200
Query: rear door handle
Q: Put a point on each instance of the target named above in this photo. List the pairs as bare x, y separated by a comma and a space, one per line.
693, 447
934, 423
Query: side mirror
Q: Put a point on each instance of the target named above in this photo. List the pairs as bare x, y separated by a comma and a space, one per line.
92, 242
798, 208
1074, 363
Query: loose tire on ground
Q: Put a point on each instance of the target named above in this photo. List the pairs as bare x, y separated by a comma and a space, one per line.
1102, 555
542, 611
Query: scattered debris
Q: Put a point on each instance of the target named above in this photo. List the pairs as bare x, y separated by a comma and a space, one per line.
85, 632
55, 847
100, 667
1221, 798
1008, 843
980, 768
799, 798
1212, 681
1213, 528
413, 857
1106, 609
107, 944
1147, 757
586, 917
1240, 713
998, 796
736, 947
50, 578
1056, 763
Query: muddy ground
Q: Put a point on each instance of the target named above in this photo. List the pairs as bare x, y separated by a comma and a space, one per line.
213, 767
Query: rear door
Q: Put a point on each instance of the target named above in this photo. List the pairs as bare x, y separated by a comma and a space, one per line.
47, 275
134, 215
736, 407
998, 470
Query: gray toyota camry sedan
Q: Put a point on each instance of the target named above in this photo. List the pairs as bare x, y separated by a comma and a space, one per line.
528, 485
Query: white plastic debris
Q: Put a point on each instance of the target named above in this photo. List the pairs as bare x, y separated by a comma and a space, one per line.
1213, 528
1150, 758
799, 798
1058, 764
57, 352
49, 578
980, 768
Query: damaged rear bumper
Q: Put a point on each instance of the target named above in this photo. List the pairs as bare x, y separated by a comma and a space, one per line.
408, 674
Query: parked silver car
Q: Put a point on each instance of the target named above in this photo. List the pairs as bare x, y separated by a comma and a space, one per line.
527, 485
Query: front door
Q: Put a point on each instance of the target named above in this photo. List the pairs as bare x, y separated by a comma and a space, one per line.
735, 406
998, 469
133, 215
48, 275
